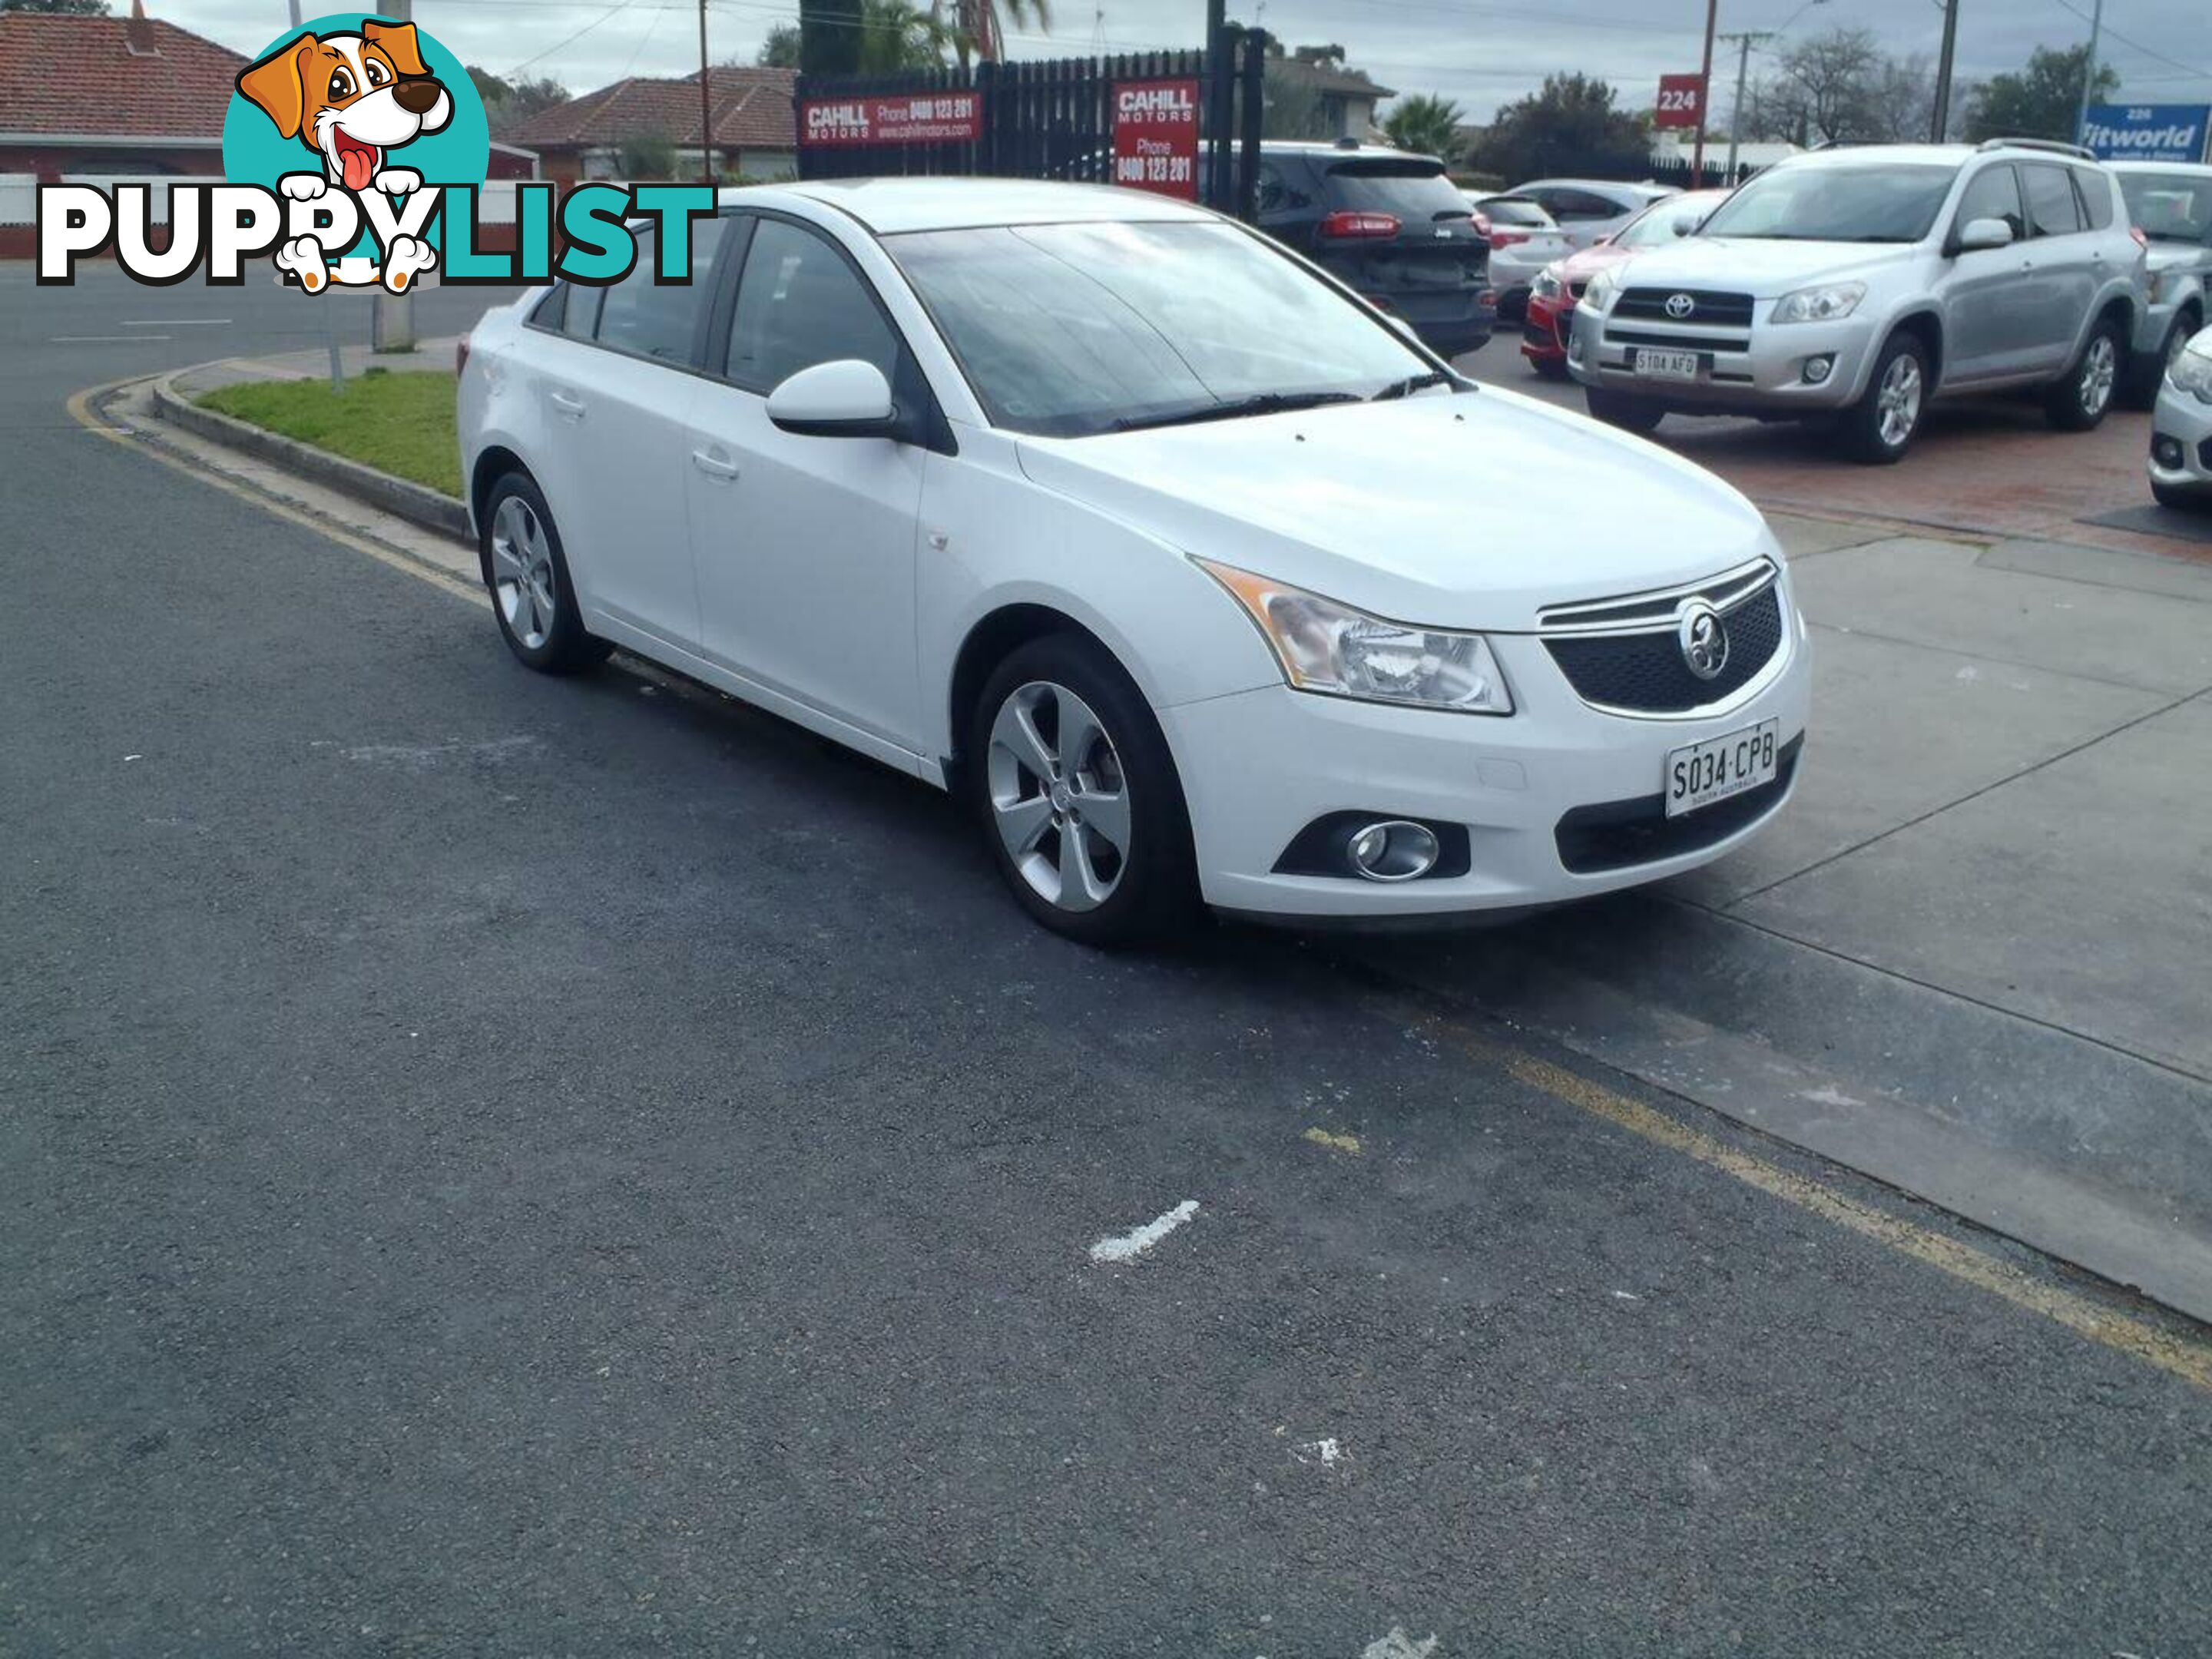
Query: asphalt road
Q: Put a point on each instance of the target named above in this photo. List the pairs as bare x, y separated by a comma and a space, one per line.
495, 1165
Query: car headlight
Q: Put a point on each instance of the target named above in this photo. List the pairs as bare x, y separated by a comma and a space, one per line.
1547, 285
1820, 305
1602, 287
1339, 652
2191, 372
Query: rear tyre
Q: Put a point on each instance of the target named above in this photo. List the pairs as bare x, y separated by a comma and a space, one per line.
2141, 389
2079, 400
528, 576
1880, 427
1551, 368
1075, 791
1626, 410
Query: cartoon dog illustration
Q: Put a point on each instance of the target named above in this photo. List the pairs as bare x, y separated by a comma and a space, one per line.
351, 99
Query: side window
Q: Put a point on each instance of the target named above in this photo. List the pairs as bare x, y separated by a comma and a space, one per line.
799, 304
654, 320
2051, 209
580, 318
1993, 193
550, 310
1571, 205
2096, 197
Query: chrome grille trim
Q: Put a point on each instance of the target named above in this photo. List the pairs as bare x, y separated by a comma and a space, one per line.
1655, 611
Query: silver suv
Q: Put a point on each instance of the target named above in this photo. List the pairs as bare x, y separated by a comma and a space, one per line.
2171, 205
1858, 283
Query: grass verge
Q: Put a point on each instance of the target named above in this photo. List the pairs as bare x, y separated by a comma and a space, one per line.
400, 423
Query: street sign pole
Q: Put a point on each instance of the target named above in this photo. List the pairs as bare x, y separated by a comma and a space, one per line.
1944, 70
391, 323
2089, 70
1746, 40
1705, 94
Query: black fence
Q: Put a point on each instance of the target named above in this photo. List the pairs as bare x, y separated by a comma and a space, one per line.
1050, 119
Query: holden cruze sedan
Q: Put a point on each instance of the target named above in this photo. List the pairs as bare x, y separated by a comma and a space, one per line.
1150, 540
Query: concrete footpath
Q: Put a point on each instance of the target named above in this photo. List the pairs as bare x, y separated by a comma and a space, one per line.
1974, 959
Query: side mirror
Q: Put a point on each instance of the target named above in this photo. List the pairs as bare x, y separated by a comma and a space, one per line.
1600, 241
847, 399
1979, 235
1685, 226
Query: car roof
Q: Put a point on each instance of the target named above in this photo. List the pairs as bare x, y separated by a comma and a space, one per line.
2198, 169
889, 206
1323, 147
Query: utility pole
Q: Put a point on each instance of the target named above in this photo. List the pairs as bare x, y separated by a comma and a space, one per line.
1746, 40
391, 322
2089, 70
1704, 95
1944, 71
706, 102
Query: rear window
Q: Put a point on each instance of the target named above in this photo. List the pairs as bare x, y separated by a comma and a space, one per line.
1416, 191
2096, 197
2051, 209
1503, 210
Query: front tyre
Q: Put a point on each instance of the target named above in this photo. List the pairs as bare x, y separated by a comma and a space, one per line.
1076, 794
2080, 400
2181, 500
528, 576
1625, 411
1880, 427
2145, 378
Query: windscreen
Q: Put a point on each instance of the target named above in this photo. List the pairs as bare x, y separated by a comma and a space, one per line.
1077, 328
1880, 202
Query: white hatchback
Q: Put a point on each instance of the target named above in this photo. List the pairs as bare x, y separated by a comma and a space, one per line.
1149, 539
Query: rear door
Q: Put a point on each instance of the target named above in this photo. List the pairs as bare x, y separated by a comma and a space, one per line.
1396, 230
2062, 262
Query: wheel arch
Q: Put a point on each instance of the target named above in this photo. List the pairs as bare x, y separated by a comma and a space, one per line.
493, 463
995, 636
1925, 325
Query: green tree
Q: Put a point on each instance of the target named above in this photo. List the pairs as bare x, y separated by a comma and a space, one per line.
646, 155
781, 49
1570, 123
63, 8
830, 37
1426, 124
1291, 109
508, 104
895, 36
979, 27
2040, 101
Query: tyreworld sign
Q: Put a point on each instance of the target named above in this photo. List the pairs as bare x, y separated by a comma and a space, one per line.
2147, 132
1681, 101
1156, 137
904, 118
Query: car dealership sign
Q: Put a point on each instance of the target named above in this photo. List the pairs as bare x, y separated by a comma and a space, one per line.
906, 118
2147, 132
1156, 137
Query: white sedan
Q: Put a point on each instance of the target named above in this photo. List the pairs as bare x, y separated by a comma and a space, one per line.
1152, 541
2181, 428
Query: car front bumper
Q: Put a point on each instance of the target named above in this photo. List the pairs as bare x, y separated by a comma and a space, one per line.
1545, 327
1767, 375
2181, 442
1260, 767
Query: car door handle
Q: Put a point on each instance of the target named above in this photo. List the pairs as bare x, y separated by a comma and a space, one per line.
566, 402
714, 466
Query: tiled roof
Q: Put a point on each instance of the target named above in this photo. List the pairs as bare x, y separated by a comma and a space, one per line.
78, 74
752, 110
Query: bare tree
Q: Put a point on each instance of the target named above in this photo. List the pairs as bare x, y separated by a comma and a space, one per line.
1842, 87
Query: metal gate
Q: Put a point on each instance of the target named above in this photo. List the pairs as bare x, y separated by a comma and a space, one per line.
1049, 119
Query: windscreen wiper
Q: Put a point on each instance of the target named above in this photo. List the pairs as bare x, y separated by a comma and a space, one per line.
1265, 403
1413, 383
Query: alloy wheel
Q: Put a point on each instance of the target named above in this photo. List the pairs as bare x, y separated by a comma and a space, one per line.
1058, 798
1899, 400
522, 572
2101, 373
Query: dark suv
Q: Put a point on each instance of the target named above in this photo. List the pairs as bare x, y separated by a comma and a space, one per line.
1390, 226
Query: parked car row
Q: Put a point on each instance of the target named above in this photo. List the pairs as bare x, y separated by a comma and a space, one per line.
1856, 285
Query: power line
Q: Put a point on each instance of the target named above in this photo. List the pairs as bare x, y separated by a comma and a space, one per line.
619, 5
2112, 34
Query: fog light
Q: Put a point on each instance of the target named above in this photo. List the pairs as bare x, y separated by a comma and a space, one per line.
1818, 369
1393, 851
2166, 451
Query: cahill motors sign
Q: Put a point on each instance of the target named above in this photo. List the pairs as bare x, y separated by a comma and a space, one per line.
917, 118
2147, 132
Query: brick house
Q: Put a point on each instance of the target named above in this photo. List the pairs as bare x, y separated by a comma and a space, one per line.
755, 131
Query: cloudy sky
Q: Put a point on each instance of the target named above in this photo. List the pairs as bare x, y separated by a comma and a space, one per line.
1482, 53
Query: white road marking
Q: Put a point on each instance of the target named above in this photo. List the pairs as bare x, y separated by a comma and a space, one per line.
1131, 1245
1398, 1646
1318, 1451
98, 339
175, 322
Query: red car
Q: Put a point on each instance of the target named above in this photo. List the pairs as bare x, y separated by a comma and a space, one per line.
1550, 316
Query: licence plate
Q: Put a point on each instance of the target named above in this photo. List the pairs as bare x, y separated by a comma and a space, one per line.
1667, 365
1713, 770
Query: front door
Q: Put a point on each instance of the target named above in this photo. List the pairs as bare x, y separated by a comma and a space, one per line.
1989, 300
804, 547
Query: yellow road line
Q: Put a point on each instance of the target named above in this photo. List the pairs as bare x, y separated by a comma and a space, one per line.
1335, 1143
2187, 1357
81, 410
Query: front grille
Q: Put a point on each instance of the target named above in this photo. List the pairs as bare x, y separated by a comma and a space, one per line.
1677, 342
1644, 673
1707, 310
1622, 834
